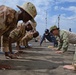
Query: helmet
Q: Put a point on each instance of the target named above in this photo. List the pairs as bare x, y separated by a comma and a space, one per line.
46, 31
53, 28
29, 8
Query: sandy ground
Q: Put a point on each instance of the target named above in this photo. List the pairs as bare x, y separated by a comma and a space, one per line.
39, 61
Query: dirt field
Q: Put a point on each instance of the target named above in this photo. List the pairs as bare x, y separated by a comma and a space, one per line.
39, 61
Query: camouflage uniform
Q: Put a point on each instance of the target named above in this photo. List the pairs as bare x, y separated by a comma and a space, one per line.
17, 33
66, 37
28, 36
8, 18
8, 21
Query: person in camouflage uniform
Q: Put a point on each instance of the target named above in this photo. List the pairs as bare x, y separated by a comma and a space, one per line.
65, 38
9, 18
29, 36
17, 34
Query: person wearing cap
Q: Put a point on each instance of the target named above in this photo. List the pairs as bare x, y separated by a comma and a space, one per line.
49, 37
29, 36
9, 18
26, 13
65, 37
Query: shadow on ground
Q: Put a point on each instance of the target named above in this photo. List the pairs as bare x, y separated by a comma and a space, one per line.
31, 64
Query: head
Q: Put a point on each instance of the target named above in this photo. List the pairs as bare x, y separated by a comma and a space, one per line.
33, 24
19, 25
46, 31
54, 30
28, 26
28, 12
35, 34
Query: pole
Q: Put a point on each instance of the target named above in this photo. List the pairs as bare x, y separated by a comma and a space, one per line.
59, 21
46, 20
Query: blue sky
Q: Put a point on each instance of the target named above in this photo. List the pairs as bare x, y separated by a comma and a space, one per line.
66, 9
